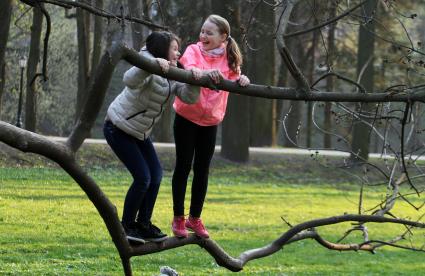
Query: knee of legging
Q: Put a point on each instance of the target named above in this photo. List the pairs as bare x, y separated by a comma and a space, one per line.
142, 183
156, 177
201, 169
183, 168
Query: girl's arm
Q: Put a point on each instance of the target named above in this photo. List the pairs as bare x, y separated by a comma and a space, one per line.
186, 92
134, 76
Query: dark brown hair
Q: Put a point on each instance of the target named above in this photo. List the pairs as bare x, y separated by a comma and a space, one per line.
158, 44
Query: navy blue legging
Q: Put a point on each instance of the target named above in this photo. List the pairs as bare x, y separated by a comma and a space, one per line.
193, 143
142, 162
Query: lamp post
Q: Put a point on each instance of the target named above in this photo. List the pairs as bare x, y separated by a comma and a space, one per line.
22, 65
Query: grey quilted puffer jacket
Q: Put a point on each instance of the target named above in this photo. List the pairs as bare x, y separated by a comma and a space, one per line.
136, 109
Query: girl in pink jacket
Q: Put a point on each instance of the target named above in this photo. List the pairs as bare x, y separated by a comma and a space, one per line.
195, 126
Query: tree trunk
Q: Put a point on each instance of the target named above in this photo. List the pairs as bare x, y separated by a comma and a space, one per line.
330, 85
310, 76
97, 36
293, 116
282, 82
365, 71
5, 14
261, 69
235, 127
33, 58
135, 9
83, 59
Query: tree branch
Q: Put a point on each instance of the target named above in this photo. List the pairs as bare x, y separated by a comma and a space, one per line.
283, 50
68, 4
296, 233
27, 141
121, 51
327, 22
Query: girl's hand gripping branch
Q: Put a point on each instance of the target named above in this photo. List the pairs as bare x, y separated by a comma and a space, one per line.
244, 80
164, 64
215, 75
196, 73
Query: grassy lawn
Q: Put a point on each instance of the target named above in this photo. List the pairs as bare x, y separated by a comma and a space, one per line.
49, 227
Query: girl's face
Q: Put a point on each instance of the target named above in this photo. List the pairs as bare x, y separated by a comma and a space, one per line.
173, 53
210, 36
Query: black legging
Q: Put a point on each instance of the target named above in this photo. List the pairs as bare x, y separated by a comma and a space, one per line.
197, 141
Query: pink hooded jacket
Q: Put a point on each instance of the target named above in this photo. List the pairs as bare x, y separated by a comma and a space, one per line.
211, 106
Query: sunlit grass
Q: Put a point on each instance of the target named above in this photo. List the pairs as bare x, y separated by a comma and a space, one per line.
49, 227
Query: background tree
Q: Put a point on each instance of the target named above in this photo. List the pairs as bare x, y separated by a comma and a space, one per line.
235, 140
330, 84
83, 33
5, 15
260, 66
32, 70
294, 113
135, 9
365, 74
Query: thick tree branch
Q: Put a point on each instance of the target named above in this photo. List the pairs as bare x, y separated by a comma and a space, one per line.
27, 141
298, 232
121, 51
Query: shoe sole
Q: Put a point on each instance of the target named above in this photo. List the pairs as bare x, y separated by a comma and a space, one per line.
139, 240
178, 235
193, 231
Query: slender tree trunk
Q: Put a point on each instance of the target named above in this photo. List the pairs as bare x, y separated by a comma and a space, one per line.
293, 119
97, 36
365, 71
280, 109
83, 59
5, 14
330, 85
235, 127
135, 8
310, 76
261, 69
34, 56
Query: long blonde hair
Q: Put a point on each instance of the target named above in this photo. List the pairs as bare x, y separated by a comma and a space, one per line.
234, 56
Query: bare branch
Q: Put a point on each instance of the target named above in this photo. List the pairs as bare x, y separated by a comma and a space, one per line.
73, 4
284, 52
294, 234
339, 76
327, 22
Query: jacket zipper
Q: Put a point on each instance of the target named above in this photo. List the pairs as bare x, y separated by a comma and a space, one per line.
162, 105
134, 115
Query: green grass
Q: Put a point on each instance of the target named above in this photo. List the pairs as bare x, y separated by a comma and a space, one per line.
49, 227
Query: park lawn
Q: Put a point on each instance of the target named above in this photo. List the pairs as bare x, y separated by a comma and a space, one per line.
49, 227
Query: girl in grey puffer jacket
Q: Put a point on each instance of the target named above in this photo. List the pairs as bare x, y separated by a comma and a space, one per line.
129, 121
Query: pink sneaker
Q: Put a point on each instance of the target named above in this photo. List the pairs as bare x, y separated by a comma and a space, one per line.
195, 224
178, 228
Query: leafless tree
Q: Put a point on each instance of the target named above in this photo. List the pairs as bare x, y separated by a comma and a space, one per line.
400, 168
